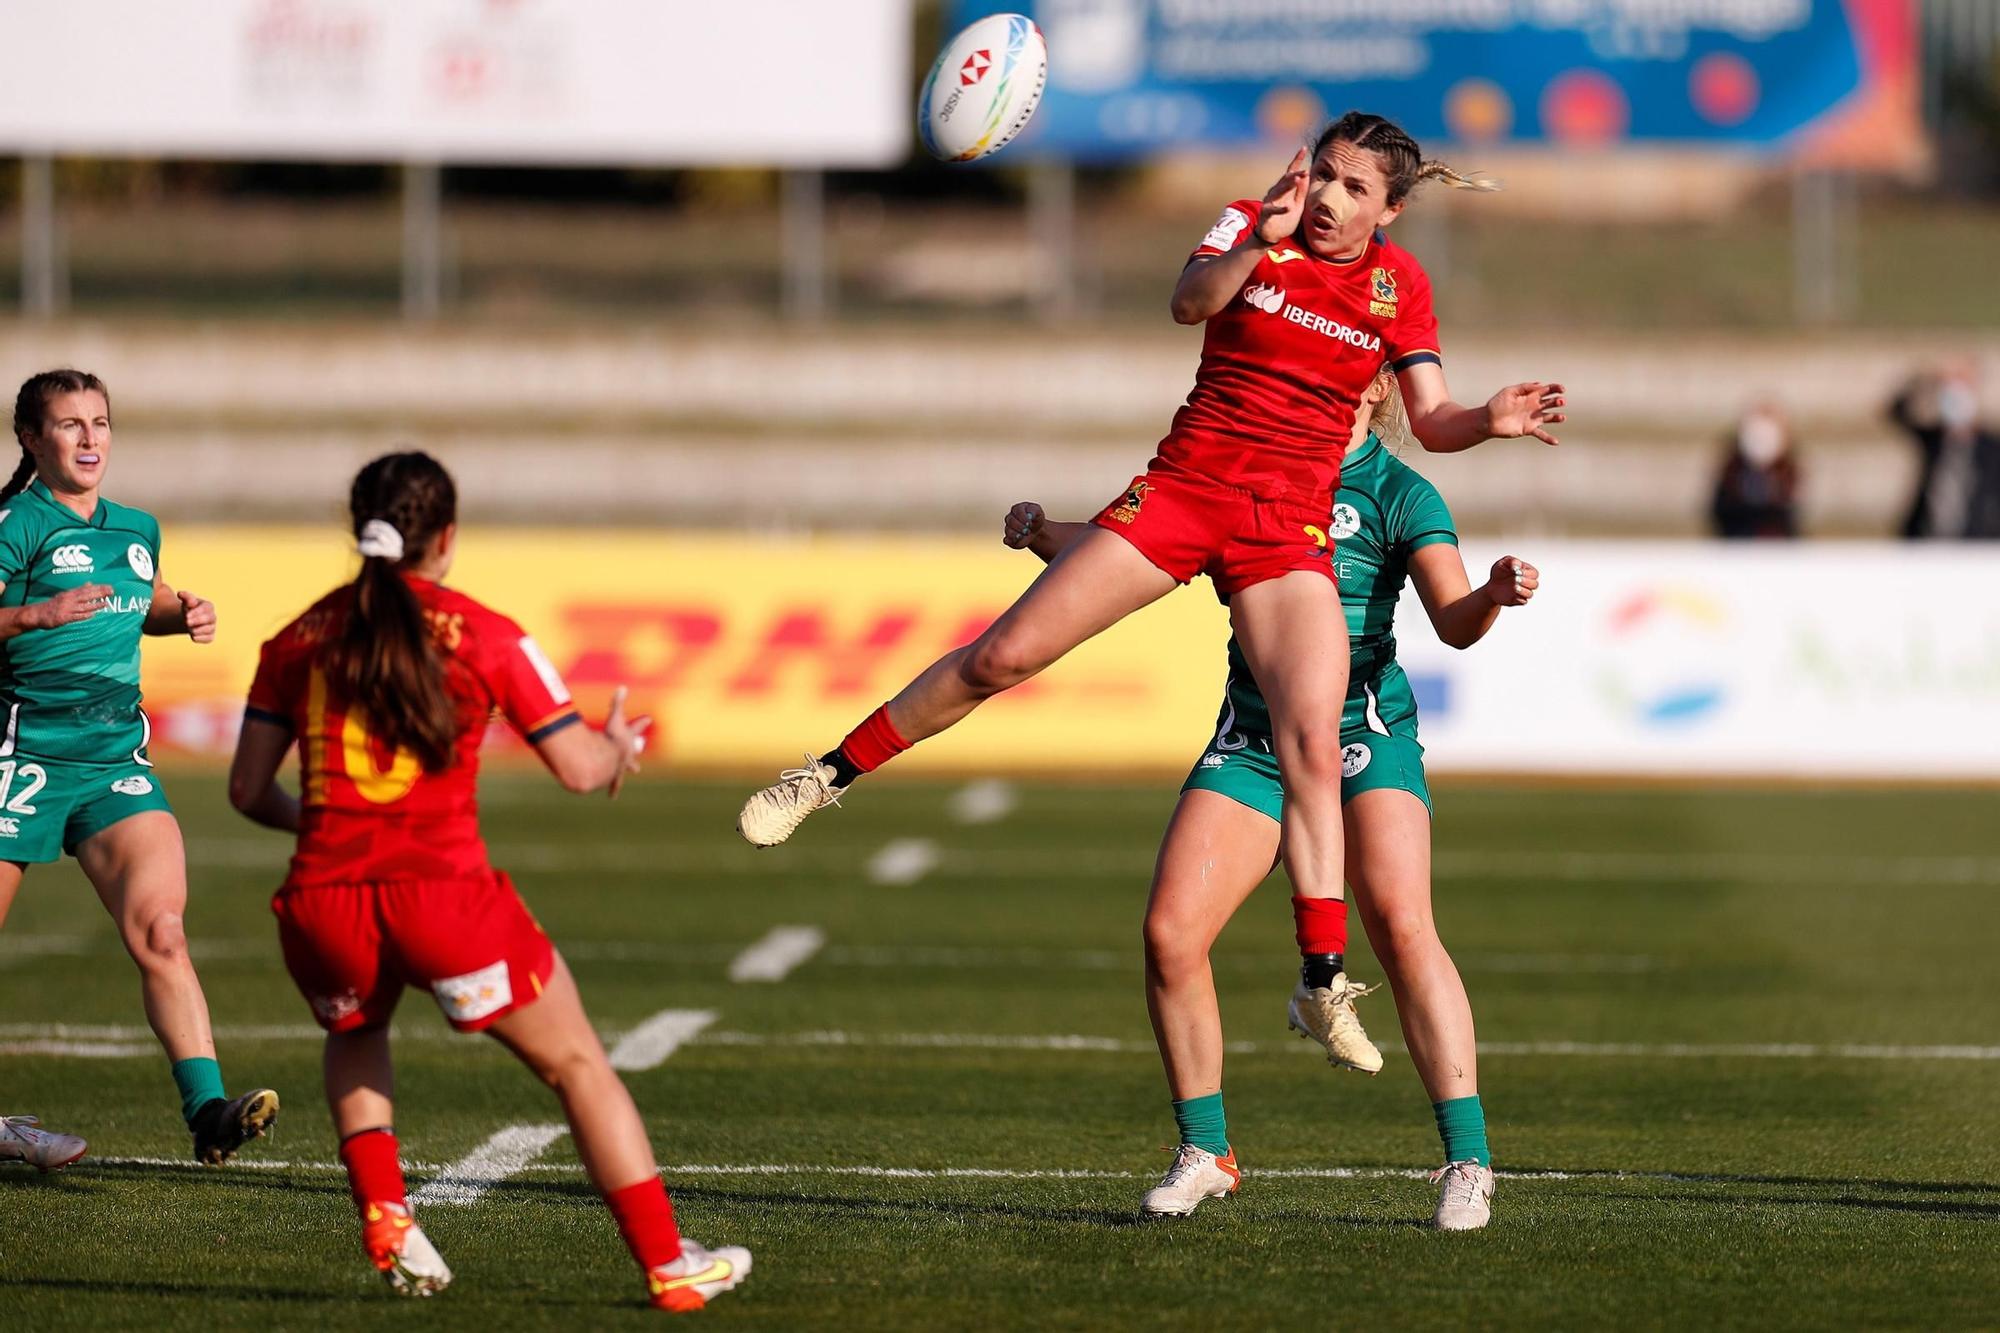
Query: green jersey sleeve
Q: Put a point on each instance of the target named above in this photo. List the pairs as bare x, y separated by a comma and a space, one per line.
1423, 518
20, 537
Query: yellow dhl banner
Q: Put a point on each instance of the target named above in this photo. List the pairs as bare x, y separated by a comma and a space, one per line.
748, 651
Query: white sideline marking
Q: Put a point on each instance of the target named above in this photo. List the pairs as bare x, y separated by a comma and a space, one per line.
985, 802
465, 1180
1457, 863
903, 861
648, 1045
682, 1169
773, 957
667, 1031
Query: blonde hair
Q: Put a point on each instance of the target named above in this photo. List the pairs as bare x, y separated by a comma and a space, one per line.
1403, 163
1388, 421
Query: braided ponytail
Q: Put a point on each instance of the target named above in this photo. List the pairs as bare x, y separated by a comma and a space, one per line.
1403, 163
31, 406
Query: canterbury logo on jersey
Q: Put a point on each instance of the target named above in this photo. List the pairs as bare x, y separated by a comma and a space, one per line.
72, 560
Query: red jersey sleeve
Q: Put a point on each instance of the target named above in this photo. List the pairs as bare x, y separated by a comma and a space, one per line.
1229, 229
273, 689
526, 687
1412, 339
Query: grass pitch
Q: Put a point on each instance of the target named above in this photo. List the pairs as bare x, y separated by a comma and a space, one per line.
1740, 1057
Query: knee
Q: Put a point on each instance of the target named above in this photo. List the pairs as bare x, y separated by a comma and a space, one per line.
571, 1067
159, 940
1403, 936
997, 662
1175, 948
1311, 751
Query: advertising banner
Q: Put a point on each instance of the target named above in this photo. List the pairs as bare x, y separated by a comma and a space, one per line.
1825, 661
1130, 78
618, 82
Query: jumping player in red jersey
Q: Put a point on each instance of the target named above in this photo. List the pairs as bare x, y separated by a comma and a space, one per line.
1306, 300
387, 685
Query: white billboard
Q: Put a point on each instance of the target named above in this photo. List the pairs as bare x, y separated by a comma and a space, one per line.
804, 83
1825, 660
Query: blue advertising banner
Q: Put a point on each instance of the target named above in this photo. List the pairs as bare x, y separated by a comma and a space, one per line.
1130, 78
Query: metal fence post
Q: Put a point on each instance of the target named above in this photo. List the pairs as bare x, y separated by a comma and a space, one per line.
807, 288
42, 286
423, 246
1052, 222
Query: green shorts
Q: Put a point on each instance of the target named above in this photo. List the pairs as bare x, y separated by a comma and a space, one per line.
48, 807
1369, 761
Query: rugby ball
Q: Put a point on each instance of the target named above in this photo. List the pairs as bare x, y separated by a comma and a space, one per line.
983, 89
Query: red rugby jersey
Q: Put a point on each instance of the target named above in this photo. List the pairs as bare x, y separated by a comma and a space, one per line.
371, 813
1284, 365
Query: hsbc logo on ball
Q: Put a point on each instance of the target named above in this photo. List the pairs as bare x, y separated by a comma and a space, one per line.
974, 69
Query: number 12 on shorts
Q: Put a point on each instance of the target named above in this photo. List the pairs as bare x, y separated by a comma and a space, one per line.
33, 778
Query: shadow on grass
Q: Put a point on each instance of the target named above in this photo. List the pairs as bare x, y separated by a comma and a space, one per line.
1982, 1212
200, 1291
247, 1179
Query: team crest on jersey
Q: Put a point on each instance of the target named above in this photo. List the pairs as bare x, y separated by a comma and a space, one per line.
1382, 289
1127, 508
140, 559
1346, 521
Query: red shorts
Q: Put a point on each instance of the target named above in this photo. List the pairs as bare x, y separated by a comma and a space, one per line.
1239, 540
351, 948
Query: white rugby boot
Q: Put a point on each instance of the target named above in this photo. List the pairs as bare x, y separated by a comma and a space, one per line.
1196, 1176
1326, 1015
42, 1149
770, 816
1465, 1196
401, 1251
697, 1277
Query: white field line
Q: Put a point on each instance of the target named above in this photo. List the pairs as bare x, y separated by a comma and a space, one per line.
669, 858
648, 1045
661, 1035
986, 802
718, 1169
903, 861
773, 957
501, 1156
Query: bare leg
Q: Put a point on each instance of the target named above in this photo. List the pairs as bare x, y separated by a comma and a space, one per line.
1390, 834
1294, 636
139, 868
554, 1038
11, 875
1215, 854
1098, 581
360, 1081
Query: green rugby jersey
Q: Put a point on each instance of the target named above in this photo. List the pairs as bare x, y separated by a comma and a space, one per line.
72, 693
1384, 510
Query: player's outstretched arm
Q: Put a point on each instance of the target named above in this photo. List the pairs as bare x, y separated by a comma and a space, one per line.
1210, 282
65, 608
1028, 528
180, 613
585, 759
1445, 427
261, 748
1460, 613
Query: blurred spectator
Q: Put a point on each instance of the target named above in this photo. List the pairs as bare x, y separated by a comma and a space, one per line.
1757, 493
1958, 481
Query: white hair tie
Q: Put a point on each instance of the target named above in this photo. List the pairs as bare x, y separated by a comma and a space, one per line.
380, 540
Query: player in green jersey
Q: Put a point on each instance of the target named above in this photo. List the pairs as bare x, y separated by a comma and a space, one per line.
79, 584
1388, 526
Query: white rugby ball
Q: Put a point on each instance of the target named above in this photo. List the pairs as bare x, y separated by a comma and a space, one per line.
986, 84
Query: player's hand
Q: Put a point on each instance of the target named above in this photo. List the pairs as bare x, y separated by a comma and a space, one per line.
1285, 202
1514, 581
1525, 409
70, 605
627, 738
200, 613
1024, 520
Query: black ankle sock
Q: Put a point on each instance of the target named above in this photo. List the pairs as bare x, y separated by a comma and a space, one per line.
1319, 969
844, 771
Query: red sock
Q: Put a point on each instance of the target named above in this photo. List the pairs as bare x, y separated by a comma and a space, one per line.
373, 1172
1321, 924
646, 1220
873, 743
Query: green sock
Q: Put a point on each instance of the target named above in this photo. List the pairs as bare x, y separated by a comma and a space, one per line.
200, 1082
1202, 1123
1462, 1126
